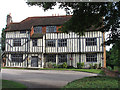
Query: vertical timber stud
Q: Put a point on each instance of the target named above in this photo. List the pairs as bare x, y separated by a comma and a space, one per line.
104, 54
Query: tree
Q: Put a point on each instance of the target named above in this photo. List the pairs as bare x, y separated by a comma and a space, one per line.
3, 39
102, 15
112, 56
88, 14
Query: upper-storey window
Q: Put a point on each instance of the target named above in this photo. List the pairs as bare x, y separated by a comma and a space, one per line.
91, 41
38, 29
92, 57
62, 42
22, 31
16, 42
50, 43
50, 28
34, 42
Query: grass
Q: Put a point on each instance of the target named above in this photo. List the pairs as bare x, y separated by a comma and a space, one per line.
97, 71
94, 82
12, 84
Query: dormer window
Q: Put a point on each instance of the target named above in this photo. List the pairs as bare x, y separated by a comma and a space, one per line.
38, 29
51, 29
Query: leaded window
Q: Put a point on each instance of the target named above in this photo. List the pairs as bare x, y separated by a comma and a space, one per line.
91, 57
50, 28
91, 41
50, 43
62, 58
23, 31
51, 58
16, 42
17, 57
38, 29
34, 42
62, 42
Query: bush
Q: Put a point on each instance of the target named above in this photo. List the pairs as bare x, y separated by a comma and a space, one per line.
108, 67
59, 66
70, 67
64, 65
50, 65
95, 66
80, 65
91, 66
55, 66
117, 68
99, 66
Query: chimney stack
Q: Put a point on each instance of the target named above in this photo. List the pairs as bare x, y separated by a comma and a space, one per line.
9, 19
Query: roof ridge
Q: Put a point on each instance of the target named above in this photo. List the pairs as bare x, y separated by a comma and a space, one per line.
28, 18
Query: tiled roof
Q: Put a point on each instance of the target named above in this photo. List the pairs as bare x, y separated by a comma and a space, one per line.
35, 21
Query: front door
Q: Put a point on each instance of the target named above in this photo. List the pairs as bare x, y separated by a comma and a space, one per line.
34, 61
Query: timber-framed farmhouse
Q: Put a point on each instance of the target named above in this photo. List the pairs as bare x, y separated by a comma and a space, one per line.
36, 40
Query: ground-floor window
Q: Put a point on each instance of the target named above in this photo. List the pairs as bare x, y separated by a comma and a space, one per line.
62, 58
17, 57
51, 58
91, 57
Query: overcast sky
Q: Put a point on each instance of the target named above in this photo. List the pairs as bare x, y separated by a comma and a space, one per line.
20, 10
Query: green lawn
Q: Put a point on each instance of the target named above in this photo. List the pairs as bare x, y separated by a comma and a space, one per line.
12, 84
94, 82
98, 71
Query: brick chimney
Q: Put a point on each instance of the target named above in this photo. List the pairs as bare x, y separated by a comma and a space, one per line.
9, 19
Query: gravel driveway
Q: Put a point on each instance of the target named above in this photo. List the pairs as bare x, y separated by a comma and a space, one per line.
43, 78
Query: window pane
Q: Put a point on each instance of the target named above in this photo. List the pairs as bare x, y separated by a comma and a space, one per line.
16, 42
50, 43
17, 57
91, 41
34, 41
51, 29
62, 58
91, 57
51, 58
38, 29
22, 31
62, 42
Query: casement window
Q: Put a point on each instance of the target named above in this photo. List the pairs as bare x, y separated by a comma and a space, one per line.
62, 42
51, 58
22, 31
34, 42
50, 43
17, 57
16, 42
62, 58
38, 29
92, 57
91, 41
50, 28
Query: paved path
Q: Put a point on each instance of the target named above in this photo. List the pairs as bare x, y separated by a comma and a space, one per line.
43, 78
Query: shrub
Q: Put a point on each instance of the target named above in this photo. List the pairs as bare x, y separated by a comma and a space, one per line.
117, 68
95, 66
108, 67
50, 65
64, 65
80, 65
55, 66
70, 67
91, 66
59, 66
99, 66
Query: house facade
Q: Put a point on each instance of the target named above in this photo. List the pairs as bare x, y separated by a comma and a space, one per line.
36, 41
